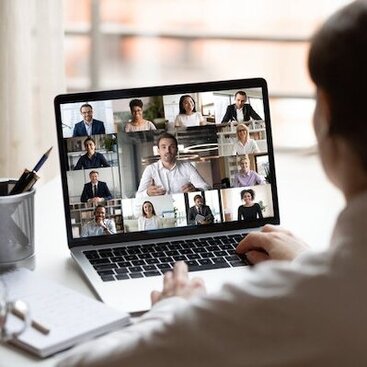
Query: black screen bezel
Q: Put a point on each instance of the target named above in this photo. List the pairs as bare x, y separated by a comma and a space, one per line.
159, 91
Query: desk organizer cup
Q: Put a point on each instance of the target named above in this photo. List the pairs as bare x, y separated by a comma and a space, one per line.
16, 228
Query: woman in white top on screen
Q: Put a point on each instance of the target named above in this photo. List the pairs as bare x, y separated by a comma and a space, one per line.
188, 116
244, 144
148, 219
138, 123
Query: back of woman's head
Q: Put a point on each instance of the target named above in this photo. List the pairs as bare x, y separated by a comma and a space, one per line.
338, 65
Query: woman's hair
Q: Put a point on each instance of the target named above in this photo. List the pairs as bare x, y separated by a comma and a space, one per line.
250, 191
142, 207
135, 103
338, 65
180, 104
242, 127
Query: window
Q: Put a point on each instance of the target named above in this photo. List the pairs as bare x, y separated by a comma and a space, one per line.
127, 43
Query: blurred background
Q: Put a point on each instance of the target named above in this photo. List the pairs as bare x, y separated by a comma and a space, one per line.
56, 46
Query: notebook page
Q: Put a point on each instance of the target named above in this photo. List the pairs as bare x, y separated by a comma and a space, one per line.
70, 316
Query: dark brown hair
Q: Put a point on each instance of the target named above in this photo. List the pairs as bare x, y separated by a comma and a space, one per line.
338, 65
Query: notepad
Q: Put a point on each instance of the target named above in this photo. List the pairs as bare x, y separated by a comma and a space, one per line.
71, 317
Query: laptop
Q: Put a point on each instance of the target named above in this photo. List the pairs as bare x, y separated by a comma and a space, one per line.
155, 175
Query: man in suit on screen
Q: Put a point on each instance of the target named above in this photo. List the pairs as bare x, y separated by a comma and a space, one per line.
200, 213
95, 191
88, 126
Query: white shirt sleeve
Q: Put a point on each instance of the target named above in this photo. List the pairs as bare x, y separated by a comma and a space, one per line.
266, 319
195, 177
145, 181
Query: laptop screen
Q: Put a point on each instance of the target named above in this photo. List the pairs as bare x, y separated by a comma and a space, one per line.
164, 161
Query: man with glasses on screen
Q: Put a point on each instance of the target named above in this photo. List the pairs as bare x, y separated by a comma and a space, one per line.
89, 126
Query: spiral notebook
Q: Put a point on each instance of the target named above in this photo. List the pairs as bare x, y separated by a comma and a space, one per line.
70, 316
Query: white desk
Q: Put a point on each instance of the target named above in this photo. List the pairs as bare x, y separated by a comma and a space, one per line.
308, 206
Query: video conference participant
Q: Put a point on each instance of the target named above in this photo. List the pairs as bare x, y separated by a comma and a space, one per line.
138, 123
200, 213
245, 176
244, 144
249, 210
240, 111
188, 116
88, 126
169, 176
99, 225
95, 191
91, 159
149, 219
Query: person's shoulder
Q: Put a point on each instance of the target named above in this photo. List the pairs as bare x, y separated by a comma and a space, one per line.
98, 121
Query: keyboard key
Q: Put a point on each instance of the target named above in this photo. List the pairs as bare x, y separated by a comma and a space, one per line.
166, 259
91, 254
138, 262
105, 266
99, 261
179, 258
220, 253
105, 272
193, 256
199, 250
152, 261
205, 261
121, 270
131, 257
136, 275
116, 259
152, 273
149, 267
122, 276
106, 254
135, 269
165, 266
146, 256
185, 251
124, 264
235, 264
208, 267
191, 263
133, 250
172, 253
107, 278
219, 260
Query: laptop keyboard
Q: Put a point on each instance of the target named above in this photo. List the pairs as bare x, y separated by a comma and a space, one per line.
138, 261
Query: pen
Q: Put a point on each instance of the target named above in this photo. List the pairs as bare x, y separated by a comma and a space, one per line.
41, 161
28, 178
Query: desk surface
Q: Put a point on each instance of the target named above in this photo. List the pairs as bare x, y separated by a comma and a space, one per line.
307, 201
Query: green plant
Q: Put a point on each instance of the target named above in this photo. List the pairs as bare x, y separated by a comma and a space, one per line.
262, 206
154, 108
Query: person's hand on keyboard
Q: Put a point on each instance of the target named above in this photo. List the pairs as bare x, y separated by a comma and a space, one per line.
272, 243
177, 283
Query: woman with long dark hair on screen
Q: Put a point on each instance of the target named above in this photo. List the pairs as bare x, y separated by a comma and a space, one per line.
188, 116
148, 219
